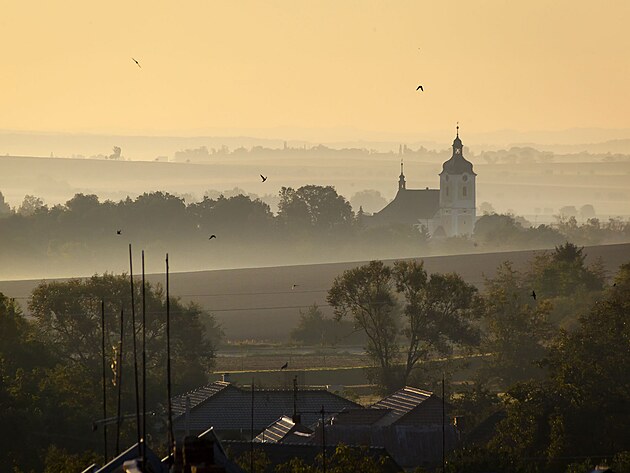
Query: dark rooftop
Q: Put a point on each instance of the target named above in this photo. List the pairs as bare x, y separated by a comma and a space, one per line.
284, 430
225, 406
410, 206
403, 401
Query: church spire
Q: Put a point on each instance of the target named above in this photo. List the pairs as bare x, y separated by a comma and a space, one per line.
401, 180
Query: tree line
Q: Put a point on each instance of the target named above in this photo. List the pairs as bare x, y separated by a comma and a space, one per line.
313, 224
549, 349
51, 368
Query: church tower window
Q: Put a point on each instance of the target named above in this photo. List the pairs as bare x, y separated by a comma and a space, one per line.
465, 192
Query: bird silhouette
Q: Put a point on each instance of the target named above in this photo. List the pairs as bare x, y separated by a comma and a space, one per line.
118, 232
285, 366
211, 237
294, 286
136, 63
420, 88
533, 294
263, 178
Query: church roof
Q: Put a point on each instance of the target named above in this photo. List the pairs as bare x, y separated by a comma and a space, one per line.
410, 206
457, 164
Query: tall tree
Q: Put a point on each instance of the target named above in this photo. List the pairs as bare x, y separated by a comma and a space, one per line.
582, 408
439, 312
366, 293
518, 332
318, 207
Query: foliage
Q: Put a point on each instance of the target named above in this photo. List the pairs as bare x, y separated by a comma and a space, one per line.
261, 460
581, 408
370, 200
366, 293
517, 331
317, 206
438, 314
483, 460
313, 223
343, 460
316, 329
5, 209
51, 368
60, 461
68, 316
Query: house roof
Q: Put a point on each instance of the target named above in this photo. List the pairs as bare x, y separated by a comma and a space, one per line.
229, 408
196, 396
284, 430
410, 206
403, 401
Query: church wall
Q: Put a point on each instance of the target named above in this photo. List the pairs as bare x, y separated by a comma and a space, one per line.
457, 211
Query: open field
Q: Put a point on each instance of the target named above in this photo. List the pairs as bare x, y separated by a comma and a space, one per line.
259, 303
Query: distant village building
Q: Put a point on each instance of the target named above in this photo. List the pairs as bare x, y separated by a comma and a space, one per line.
447, 211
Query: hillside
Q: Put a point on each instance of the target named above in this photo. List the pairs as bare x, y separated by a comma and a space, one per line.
259, 303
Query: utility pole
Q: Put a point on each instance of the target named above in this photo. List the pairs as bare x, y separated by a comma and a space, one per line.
251, 442
104, 378
323, 442
443, 428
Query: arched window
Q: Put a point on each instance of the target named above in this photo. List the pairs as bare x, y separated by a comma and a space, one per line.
464, 191
447, 191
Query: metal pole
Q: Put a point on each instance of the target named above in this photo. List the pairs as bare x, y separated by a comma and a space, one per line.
323, 442
104, 378
251, 442
119, 376
443, 428
144, 369
168, 364
135, 350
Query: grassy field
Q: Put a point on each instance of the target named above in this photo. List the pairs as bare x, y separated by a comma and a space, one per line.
259, 303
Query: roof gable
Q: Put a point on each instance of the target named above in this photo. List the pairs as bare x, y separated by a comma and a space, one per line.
229, 408
284, 429
410, 206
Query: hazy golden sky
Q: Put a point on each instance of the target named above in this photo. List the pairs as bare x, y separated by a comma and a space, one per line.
240, 66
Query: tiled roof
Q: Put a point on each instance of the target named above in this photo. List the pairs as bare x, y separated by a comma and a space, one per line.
229, 408
196, 396
410, 206
284, 429
403, 401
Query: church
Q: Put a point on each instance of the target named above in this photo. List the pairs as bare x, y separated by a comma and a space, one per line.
445, 212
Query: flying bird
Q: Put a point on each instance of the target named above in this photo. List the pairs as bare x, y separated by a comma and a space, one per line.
118, 232
211, 237
285, 366
420, 88
533, 294
263, 178
138, 64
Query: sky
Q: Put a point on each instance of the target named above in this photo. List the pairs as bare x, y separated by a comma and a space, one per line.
277, 68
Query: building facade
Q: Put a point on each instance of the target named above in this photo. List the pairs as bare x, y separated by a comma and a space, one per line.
445, 212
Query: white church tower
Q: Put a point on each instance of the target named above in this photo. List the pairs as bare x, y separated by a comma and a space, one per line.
457, 213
